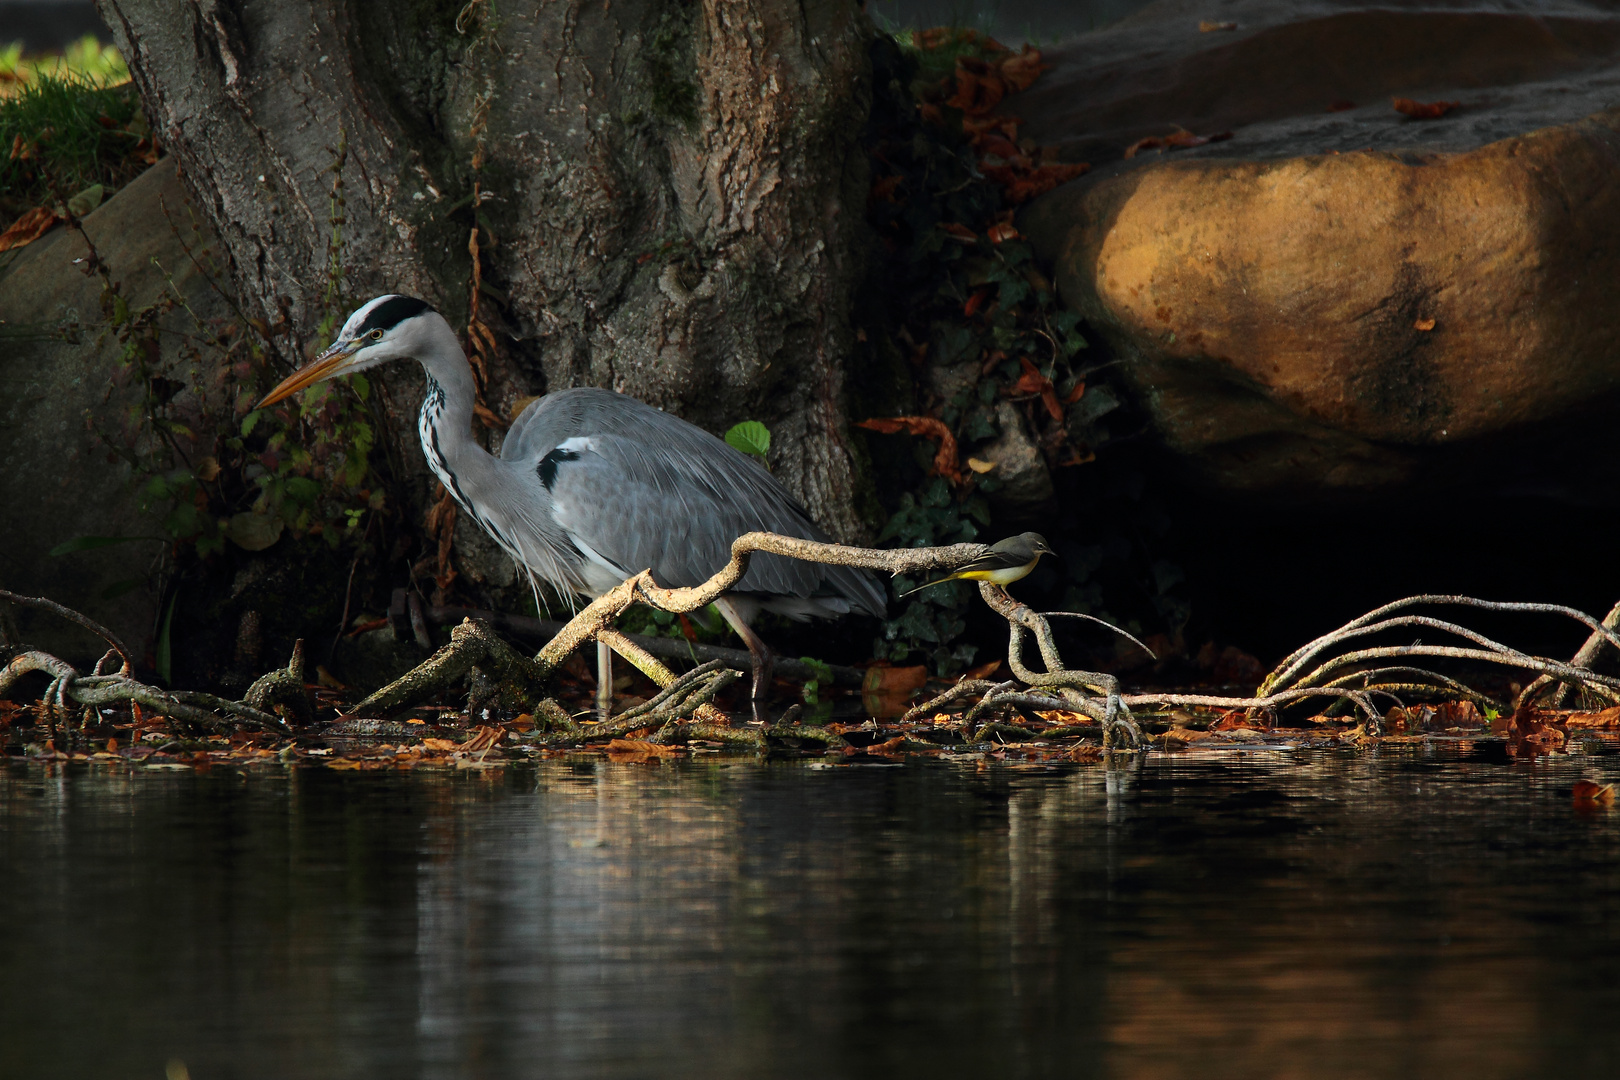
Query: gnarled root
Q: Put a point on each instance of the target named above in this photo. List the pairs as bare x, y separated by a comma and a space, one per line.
284, 688
194, 712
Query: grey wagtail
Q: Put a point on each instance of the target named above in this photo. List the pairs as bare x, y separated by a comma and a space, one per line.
1006, 562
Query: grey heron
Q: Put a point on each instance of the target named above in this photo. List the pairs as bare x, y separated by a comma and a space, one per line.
592, 486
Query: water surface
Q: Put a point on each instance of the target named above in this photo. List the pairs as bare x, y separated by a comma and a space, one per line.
1269, 914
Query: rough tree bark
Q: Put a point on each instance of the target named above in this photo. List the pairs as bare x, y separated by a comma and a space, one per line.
668, 193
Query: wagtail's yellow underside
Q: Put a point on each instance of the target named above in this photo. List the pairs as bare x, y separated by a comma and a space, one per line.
1007, 561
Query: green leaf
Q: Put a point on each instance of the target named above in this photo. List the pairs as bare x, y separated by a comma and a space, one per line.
751, 437
86, 200
250, 421
823, 673
90, 543
302, 489
254, 532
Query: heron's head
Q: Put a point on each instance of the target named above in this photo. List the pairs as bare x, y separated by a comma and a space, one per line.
388, 328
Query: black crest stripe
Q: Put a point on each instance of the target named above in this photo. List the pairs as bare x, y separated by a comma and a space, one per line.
392, 312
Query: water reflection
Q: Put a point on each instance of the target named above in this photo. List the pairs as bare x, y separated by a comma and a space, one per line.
1270, 915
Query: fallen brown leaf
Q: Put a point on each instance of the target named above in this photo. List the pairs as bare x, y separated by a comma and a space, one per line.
1533, 732
1589, 791
1020, 70
483, 738
1608, 718
883, 190
1180, 139
1236, 719
893, 680
983, 671
638, 751
1033, 382
977, 92
1002, 231
887, 691
1022, 183
1459, 714
945, 460
1424, 110
1424, 325
888, 746
976, 301
28, 228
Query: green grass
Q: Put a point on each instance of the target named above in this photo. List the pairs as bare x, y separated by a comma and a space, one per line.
69, 135
65, 124
86, 60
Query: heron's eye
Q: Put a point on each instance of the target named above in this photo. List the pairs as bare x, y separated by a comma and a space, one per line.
376, 335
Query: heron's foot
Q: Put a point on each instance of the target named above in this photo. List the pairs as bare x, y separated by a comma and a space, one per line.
764, 669
604, 682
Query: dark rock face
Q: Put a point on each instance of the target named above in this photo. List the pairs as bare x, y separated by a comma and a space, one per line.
59, 377
1330, 303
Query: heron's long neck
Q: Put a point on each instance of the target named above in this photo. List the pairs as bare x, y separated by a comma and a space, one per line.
445, 423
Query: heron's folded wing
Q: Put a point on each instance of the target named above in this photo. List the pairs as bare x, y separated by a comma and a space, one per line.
659, 493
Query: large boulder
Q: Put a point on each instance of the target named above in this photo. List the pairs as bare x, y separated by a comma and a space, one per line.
1348, 300
61, 380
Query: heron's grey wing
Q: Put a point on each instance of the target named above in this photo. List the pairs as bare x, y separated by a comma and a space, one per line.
644, 489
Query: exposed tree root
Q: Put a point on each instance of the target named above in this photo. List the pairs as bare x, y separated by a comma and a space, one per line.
1067, 688
194, 712
1339, 666
1316, 670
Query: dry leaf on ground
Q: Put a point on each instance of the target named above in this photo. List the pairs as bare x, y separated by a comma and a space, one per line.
1608, 718
1424, 110
639, 751
28, 228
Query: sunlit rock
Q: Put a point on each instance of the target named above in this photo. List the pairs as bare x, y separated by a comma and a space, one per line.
1347, 300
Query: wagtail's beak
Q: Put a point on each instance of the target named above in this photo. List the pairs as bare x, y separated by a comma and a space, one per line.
323, 366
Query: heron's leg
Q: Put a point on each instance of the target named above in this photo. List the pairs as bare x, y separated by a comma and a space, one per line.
604, 681
761, 653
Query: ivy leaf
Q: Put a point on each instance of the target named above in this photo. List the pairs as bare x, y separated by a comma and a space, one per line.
302, 489
751, 437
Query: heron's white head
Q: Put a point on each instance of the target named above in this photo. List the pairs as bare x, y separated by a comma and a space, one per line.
391, 327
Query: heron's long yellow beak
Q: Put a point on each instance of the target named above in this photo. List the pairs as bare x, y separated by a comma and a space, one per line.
323, 366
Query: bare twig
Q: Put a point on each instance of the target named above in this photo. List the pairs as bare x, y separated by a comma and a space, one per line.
1297, 660
74, 617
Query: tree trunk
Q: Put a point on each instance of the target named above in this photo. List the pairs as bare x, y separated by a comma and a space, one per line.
667, 196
